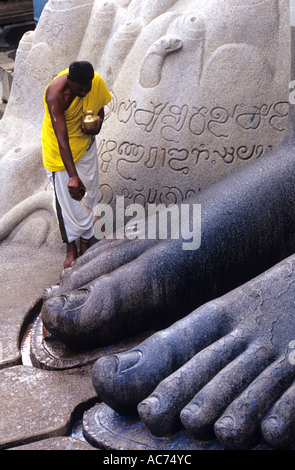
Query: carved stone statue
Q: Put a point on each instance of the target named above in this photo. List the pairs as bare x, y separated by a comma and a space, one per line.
225, 364
186, 126
168, 132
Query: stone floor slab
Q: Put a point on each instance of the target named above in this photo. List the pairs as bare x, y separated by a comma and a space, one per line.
24, 274
37, 404
57, 443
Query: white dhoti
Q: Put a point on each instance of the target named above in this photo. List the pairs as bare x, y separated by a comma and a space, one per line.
75, 220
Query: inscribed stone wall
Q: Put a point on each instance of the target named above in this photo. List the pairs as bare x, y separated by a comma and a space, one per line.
200, 88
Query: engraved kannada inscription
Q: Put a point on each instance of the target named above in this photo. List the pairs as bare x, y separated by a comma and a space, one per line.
179, 160
208, 131
170, 120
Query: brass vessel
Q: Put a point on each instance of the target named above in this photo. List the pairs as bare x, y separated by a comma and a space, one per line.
91, 121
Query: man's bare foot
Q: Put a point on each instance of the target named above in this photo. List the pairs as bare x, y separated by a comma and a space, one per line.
72, 254
84, 245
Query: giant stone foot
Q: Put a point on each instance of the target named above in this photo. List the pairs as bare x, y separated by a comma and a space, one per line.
152, 145
227, 367
124, 287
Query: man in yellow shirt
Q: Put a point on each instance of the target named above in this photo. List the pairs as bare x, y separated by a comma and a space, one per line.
69, 150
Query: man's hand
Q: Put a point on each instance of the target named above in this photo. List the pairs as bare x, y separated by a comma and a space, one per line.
76, 188
89, 131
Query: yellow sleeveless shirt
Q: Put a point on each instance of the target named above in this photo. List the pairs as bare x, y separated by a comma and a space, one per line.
98, 97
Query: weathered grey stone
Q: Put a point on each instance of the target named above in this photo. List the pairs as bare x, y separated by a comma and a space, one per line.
50, 354
37, 404
226, 364
56, 443
209, 93
6, 75
158, 144
203, 101
238, 214
24, 274
107, 430
248, 223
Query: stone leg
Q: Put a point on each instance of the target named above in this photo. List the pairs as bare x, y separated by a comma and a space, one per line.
226, 367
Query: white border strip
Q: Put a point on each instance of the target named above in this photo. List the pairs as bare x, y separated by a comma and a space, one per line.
292, 12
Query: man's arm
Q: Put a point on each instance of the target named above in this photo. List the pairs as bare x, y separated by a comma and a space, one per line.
55, 106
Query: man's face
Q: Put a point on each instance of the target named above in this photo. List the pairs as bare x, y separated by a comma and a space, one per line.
80, 90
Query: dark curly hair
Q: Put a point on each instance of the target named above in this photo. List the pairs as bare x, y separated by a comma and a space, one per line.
81, 72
